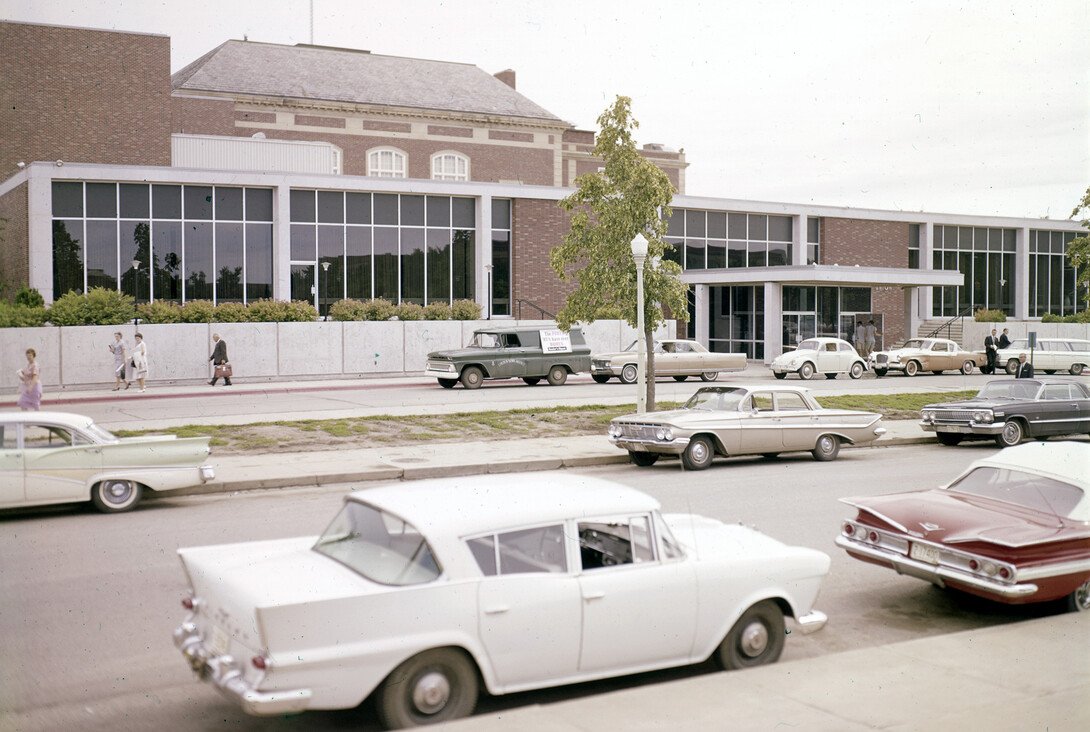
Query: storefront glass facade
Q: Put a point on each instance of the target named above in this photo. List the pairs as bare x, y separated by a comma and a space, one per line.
986, 258
722, 240
1052, 287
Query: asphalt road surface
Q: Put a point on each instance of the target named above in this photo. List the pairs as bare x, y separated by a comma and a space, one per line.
88, 602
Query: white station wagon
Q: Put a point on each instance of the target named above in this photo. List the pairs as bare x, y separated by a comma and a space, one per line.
1049, 355
417, 593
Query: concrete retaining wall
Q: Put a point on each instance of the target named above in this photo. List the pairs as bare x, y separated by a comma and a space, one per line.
74, 357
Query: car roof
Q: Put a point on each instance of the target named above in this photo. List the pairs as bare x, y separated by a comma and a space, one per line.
754, 386
451, 508
1066, 461
68, 418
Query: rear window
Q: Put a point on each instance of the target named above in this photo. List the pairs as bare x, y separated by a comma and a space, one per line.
379, 546
1025, 489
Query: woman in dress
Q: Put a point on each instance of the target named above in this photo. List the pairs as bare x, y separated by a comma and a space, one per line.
140, 360
118, 349
31, 395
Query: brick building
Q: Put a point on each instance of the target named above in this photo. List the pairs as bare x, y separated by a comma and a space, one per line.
306, 172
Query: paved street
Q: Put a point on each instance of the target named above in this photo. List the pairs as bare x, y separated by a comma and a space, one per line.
87, 618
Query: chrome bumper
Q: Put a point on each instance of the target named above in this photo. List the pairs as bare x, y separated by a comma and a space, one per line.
224, 674
441, 373
812, 622
933, 573
964, 429
675, 446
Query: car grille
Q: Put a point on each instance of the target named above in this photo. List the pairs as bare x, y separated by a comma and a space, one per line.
881, 358
953, 415
638, 431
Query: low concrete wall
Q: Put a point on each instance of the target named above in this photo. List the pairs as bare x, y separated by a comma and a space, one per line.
75, 357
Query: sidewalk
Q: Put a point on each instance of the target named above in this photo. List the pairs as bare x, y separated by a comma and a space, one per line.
444, 459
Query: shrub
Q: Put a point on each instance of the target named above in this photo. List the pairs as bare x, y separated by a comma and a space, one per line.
466, 310
21, 316
438, 311
30, 297
299, 311
266, 311
346, 310
198, 311
410, 311
98, 306
231, 312
159, 312
378, 309
1079, 317
989, 316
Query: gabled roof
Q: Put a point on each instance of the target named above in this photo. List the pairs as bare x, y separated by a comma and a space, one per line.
354, 77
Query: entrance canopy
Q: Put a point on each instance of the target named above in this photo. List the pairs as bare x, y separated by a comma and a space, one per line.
826, 276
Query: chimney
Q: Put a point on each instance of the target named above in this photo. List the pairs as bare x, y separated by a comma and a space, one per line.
507, 76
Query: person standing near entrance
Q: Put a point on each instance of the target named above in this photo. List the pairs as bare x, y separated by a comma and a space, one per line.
860, 334
219, 359
870, 337
991, 350
1004, 340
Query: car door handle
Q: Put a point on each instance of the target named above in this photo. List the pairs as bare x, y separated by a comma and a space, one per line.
95, 450
598, 595
496, 610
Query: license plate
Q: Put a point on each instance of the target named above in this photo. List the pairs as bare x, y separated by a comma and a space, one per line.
955, 428
924, 553
220, 643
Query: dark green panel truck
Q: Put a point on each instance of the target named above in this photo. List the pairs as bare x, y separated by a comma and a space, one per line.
530, 354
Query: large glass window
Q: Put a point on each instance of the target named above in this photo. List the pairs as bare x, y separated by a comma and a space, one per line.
718, 240
985, 256
163, 242
1052, 279
387, 163
501, 257
449, 166
736, 322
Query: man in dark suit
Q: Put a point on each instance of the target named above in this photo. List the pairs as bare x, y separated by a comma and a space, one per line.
991, 349
1004, 340
219, 356
1025, 368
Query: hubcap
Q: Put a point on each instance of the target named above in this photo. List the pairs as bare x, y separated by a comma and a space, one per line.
431, 693
754, 639
700, 452
826, 444
118, 491
1011, 433
1082, 597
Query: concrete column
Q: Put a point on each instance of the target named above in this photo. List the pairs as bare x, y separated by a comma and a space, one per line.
40, 230
924, 297
800, 243
912, 309
702, 315
282, 242
484, 254
773, 320
1022, 284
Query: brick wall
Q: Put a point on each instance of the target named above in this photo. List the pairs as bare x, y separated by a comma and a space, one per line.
15, 250
203, 116
83, 95
539, 226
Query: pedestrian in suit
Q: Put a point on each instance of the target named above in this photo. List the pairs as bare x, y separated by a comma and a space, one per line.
1004, 340
991, 349
219, 357
1025, 368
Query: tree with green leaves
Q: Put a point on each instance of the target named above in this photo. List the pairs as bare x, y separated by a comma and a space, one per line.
1078, 251
630, 196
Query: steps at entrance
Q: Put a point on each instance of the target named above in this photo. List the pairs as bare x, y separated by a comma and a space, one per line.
929, 326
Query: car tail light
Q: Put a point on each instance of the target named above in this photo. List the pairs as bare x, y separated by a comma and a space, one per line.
260, 662
873, 536
974, 565
848, 530
189, 603
1004, 573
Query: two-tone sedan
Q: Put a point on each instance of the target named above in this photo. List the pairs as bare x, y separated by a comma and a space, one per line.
1014, 527
926, 354
742, 420
1010, 410
56, 457
678, 358
419, 593
829, 356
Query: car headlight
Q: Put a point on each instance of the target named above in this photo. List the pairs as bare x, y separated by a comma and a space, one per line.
927, 415
664, 433
983, 416
614, 430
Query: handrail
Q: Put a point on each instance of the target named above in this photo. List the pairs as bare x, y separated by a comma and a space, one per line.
537, 307
949, 323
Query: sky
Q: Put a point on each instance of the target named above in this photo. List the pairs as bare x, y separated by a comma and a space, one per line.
958, 106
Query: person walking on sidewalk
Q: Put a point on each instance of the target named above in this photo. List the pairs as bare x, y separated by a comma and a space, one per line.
30, 396
220, 364
139, 360
119, 348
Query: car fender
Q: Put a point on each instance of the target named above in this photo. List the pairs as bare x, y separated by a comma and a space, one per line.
157, 479
483, 367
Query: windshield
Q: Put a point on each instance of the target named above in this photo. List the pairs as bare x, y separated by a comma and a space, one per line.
484, 340
1024, 489
99, 434
807, 346
913, 343
718, 398
1009, 390
379, 546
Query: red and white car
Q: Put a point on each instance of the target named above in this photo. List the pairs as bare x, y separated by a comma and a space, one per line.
1014, 527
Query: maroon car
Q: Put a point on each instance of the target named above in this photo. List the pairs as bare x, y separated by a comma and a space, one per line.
1014, 527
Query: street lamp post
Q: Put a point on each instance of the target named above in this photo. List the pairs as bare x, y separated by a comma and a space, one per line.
325, 287
639, 254
488, 293
136, 283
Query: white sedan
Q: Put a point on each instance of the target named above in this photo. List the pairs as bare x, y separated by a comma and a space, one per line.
829, 356
679, 358
417, 593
